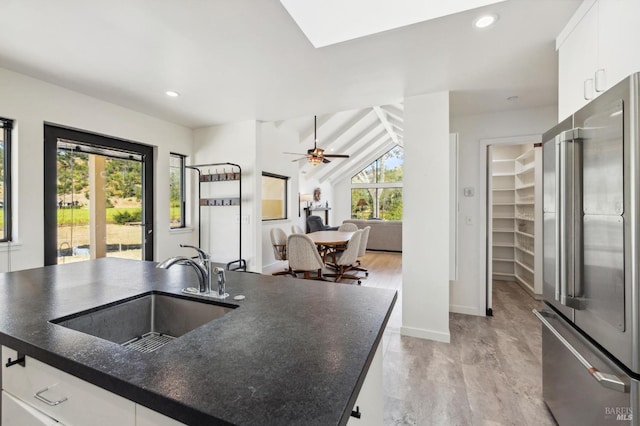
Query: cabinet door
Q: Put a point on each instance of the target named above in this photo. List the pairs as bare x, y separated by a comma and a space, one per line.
18, 413
578, 61
618, 34
63, 396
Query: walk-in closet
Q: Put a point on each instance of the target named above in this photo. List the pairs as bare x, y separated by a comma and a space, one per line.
515, 226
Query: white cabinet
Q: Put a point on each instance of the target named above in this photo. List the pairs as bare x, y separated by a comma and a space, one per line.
62, 396
596, 51
16, 412
370, 400
37, 393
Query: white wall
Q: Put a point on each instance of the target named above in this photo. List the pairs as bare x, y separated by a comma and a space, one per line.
425, 231
272, 142
33, 102
468, 293
232, 143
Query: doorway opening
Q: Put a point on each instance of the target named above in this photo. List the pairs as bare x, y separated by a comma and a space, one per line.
98, 197
514, 228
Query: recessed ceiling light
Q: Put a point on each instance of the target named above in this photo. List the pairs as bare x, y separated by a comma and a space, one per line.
485, 21
172, 94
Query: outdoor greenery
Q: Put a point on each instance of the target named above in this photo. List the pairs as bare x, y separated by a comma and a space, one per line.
80, 216
376, 201
123, 177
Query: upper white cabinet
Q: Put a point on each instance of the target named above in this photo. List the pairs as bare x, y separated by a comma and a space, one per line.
596, 51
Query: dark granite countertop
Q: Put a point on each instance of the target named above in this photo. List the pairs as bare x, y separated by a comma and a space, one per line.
293, 352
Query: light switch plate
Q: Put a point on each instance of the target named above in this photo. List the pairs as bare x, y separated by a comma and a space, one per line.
469, 191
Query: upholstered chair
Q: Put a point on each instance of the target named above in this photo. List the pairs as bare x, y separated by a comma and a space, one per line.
347, 259
304, 256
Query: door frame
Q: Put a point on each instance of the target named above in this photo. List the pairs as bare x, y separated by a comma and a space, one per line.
54, 132
486, 217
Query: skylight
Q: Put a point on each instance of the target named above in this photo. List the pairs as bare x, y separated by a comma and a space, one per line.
329, 22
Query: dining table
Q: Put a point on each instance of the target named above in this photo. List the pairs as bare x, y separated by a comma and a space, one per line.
328, 241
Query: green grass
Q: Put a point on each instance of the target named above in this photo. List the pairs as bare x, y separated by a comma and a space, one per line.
81, 216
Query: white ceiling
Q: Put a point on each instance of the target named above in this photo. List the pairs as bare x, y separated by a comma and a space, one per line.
334, 21
235, 60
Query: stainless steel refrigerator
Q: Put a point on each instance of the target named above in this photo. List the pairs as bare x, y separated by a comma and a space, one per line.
591, 203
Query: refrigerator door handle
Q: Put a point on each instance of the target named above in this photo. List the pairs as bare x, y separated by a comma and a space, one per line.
558, 240
607, 380
561, 203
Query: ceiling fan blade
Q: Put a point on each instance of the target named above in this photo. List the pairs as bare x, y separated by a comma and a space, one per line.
337, 155
298, 159
294, 153
324, 160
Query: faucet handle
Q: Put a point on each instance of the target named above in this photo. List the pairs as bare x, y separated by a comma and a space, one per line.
203, 255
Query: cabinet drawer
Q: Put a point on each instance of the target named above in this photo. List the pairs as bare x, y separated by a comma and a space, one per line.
18, 413
62, 396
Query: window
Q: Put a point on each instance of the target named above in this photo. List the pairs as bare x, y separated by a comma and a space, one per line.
176, 191
5, 179
274, 196
376, 191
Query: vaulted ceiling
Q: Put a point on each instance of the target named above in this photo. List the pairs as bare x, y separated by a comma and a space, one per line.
248, 60
364, 134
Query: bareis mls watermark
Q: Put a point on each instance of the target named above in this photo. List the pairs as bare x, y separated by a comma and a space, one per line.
619, 413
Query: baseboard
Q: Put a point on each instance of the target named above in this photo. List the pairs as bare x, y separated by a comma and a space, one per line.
421, 333
467, 310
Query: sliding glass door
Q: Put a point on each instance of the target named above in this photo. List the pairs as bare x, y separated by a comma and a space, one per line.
98, 197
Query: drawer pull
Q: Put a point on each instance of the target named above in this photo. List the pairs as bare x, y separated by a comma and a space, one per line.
39, 397
610, 381
18, 360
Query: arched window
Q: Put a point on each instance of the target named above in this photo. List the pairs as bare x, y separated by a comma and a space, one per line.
376, 190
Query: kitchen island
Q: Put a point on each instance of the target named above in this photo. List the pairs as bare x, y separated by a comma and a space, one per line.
291, 352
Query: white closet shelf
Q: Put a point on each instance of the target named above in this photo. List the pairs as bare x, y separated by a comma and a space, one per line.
525, 203
503, 189
504, 174
524, 218
503, 217
524, 155
525, 186
525, 283
504, 204
502, 259
502, 230
525, 251
504, 274
525, 234
503, 244
522, 265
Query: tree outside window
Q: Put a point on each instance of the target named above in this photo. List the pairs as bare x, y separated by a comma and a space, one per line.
376, 191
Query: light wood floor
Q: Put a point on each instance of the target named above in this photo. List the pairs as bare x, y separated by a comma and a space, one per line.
490, 373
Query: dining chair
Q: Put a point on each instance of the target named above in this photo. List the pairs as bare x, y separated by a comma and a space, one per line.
315, 224
348, 227
363, 250
295, 229
304, 257
279, 243
347, 259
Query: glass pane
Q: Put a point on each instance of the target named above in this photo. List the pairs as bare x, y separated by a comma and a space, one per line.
366, 175
391, 165
362, 206
390, 203
274, 198
118, 196
176, 163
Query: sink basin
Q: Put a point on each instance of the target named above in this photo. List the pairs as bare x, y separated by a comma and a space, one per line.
145, 322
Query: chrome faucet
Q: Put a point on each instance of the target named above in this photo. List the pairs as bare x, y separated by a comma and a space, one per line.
202, 267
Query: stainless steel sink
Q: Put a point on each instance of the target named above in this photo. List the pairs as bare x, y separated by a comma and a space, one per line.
145, 322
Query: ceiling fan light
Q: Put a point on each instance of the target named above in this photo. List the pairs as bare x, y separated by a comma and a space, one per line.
315, 160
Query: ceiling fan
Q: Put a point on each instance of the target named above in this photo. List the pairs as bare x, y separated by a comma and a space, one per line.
316, 155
